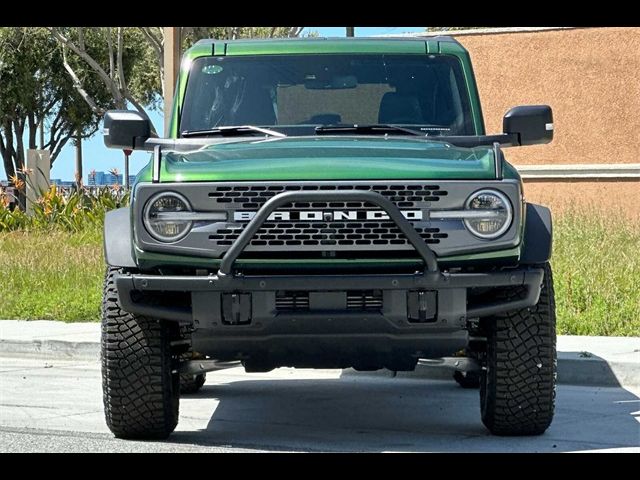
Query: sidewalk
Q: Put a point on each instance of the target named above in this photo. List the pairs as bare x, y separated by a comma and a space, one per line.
600, 361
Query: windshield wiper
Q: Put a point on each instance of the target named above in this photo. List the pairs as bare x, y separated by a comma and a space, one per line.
232, 131
373, 129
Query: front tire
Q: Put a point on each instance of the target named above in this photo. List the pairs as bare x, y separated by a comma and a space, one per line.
517, 389
141, 394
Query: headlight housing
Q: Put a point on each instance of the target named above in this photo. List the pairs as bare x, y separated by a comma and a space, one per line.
164, 216
490, 214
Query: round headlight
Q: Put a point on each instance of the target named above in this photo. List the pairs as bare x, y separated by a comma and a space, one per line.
490, 215
164, 216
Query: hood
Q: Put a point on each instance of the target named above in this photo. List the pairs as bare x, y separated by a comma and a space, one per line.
329, 158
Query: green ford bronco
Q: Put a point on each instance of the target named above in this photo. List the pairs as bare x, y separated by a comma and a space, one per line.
328, 203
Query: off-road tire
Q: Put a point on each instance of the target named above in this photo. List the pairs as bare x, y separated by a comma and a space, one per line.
517, 389
468, 379
140, 393
192, 383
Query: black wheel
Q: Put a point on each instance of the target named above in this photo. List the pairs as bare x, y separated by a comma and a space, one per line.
467, 379
141, 395
517, 389
192, 383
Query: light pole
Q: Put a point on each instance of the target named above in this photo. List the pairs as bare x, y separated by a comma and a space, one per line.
125, 180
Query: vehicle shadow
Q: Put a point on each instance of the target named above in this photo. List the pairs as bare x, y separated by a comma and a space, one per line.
373, 414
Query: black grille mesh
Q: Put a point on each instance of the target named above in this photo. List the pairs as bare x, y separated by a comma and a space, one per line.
254, 196
317, 234
332, 233
357, 300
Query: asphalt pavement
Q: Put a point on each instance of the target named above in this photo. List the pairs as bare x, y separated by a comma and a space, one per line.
582, 360
55, 405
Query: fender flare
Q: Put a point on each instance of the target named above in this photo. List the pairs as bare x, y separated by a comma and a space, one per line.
118, 248
538, 235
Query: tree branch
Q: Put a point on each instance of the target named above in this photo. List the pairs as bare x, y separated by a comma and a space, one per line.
108, 81
78, 84
111, 62
158, 48
123, 83
294, 31
81, 38
61, 142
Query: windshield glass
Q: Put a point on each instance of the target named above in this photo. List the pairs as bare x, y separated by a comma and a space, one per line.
299, 92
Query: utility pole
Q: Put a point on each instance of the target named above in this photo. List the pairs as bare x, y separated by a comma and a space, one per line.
172, 52
351, 31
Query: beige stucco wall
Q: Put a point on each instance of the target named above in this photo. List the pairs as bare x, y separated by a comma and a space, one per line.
590, 76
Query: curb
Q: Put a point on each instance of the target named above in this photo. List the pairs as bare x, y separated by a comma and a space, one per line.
51, 349
573, 368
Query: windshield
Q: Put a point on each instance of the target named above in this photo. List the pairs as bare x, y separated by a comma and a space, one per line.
300, 92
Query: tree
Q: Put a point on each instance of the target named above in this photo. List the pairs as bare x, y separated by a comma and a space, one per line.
130, 61
119, 57
35, 94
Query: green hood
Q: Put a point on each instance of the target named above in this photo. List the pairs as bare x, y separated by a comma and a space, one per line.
328, 158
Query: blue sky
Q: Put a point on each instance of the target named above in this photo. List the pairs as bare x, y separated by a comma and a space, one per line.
97, 156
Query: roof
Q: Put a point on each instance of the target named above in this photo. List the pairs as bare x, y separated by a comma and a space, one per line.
324, 45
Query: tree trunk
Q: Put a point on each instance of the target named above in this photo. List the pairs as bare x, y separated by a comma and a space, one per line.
33, 130
41, 129
79, 159
19, 151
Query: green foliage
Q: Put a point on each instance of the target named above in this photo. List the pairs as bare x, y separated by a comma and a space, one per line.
54, 267
35, 89
190, 35
73, 212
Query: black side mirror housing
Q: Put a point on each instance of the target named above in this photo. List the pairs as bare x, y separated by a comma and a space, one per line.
532, 124
125, 129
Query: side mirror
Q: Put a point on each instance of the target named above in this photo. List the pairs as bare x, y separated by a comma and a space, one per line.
125, 129
532, 124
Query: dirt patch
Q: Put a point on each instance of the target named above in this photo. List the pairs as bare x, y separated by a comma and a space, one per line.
589, 77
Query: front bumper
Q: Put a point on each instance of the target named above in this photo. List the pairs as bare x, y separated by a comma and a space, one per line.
450, 290
441, 296
329, 321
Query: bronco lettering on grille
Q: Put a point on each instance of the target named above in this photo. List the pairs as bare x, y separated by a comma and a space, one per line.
331, 215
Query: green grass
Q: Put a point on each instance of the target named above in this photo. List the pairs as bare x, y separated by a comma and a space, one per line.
596, 266
596, 263
51, 275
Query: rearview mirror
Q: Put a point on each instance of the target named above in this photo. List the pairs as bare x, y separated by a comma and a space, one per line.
125, 129
338, 82
533, 124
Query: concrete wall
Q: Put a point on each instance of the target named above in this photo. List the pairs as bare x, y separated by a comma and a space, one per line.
590, 76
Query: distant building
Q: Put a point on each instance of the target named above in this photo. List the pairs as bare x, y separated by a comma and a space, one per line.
101, 179
62, 183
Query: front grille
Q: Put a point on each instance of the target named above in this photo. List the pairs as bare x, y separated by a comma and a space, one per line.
332, 235
356, 300
362, 300
292, 301
254, 196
